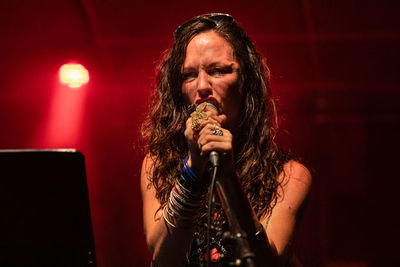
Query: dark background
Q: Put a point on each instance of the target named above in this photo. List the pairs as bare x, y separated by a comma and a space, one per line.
335, 67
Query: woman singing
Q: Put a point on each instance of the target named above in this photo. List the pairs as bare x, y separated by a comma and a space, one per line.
213, 94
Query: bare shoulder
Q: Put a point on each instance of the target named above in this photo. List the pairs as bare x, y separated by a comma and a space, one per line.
295, 172
146, 173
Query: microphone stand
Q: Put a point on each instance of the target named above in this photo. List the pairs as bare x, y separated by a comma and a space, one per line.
236, 236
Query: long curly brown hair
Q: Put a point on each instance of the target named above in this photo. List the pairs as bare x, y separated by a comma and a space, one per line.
258, 160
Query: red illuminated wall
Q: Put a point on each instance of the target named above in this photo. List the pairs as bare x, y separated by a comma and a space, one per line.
335, 74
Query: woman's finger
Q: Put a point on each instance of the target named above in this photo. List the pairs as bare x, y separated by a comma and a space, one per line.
208, 141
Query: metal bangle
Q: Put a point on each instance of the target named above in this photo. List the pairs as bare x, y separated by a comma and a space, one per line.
166, 220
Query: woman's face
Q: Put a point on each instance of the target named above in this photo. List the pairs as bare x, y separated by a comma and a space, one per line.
210, 74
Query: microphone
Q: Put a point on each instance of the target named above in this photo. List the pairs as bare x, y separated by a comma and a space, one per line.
214, 155
211, 106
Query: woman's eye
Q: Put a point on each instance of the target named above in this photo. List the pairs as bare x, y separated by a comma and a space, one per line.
221, 71
189, 75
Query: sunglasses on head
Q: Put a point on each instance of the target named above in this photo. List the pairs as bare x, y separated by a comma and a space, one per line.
217, 18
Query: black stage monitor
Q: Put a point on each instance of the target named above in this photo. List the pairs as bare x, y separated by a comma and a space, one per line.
44, 205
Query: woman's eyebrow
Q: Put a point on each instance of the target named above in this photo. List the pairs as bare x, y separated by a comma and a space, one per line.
221, 64
188, 69
211, 65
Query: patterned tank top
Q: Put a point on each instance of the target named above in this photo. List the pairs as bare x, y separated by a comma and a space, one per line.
221, 253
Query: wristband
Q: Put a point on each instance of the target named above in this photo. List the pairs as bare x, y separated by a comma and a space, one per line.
187, 172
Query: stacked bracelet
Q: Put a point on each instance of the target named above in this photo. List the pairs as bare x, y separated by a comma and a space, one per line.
185, 199
182, 208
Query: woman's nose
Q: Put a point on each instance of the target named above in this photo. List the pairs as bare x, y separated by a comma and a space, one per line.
203, 84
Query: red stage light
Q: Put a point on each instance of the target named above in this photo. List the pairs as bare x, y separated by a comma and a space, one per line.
75, 75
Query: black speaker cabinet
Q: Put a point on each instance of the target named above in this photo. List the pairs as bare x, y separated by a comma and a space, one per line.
44, 209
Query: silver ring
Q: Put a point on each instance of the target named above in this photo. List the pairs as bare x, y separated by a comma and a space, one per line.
218, 132
214, 127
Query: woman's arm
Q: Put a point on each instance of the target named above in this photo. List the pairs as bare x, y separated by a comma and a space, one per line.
292, 195
167, 244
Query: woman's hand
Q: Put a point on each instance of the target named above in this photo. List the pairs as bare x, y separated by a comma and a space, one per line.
204, 141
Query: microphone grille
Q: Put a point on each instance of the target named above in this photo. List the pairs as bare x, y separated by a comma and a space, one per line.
211, 106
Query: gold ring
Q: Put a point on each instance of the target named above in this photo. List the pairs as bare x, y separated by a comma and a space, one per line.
195, 125
197, 115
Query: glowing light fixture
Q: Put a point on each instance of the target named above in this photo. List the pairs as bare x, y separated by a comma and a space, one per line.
75, 75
